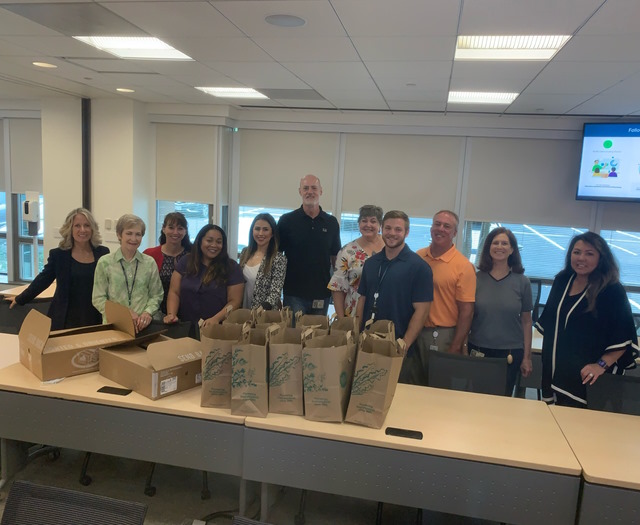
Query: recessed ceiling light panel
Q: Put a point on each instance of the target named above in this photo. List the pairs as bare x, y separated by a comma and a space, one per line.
509, 47
475, 97
134, 48
45, 65
232, 92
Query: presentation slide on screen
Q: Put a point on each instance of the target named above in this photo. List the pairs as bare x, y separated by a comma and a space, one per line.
610, 163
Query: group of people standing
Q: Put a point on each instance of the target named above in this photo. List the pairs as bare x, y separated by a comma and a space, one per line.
435, 297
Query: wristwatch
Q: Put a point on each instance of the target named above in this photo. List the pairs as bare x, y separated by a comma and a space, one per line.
603, 364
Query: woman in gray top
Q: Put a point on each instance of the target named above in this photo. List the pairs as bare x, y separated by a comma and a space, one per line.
501, 324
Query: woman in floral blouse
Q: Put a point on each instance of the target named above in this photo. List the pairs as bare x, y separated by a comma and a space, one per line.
350, 259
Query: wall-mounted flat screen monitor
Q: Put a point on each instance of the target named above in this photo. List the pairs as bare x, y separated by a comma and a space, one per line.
610, 163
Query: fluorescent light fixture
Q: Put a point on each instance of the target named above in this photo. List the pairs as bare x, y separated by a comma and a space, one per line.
46, 65
135, 48
125, 90
232, 92
476, 97
509, 47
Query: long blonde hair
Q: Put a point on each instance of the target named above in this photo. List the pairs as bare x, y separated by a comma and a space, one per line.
66, 230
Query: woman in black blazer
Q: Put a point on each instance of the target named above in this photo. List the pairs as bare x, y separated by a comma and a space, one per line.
72, 265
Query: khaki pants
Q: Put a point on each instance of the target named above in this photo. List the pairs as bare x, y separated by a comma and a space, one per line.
415, 368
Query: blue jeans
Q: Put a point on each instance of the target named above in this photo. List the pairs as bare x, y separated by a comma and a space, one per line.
298, 304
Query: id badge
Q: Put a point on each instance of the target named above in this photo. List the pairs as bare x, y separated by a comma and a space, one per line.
433, 347
476, 353
317, 304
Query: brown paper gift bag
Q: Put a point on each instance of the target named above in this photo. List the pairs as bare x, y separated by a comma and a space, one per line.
240, 316
249, 388
217, 341
319, 323
381, 329
342, 325
281, 317
327, 364
285, 370
375, 379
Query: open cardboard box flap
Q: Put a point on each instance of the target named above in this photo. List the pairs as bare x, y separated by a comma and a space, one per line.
62, 353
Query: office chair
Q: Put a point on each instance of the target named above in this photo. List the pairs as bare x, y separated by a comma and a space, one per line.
612, 393
11, 318
31, 504
535, 377
536, 290
483, 375
636, 320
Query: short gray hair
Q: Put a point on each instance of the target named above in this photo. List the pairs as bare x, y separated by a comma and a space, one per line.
129, 220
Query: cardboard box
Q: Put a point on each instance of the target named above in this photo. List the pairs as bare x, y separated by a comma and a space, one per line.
62, 353
166, 367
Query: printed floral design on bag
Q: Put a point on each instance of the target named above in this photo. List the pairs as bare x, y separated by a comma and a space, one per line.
280, 370
365, 378
311, 382
214, 364
241, 377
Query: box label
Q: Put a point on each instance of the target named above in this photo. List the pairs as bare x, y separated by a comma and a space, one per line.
168, 385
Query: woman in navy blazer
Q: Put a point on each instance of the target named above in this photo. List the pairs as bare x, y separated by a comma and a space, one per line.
72, 265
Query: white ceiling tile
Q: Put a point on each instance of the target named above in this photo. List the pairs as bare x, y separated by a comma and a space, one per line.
618, 17
355, 98
552, 104
413, 94
259, 74
12, 24
60, 46
580, 77
332, 75
312, 49
171, 19
614, 48
500, 76
108, 65
10, 48
425, 75
212, 48
476, 108
403, 105
406, 48
522, 17
403, 18
606, 105
250, 15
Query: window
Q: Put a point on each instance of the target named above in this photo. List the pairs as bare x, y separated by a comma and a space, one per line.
626, 248
27, 244
196, 213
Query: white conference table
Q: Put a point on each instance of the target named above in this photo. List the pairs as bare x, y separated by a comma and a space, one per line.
17, 290
606, 445
489, 457
175, 430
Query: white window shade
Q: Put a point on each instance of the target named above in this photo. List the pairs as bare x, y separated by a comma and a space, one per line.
525, 181
415, 174
1, 155
623, 216
273, 162
186, 161
25, 136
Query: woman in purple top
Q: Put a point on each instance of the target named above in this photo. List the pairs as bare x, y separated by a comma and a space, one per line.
205, 282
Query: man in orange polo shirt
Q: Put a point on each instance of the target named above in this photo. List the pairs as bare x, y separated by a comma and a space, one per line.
454, 295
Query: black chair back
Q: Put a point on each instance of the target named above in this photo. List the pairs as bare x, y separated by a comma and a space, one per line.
536, 290
31, 504
612, 393
483, 375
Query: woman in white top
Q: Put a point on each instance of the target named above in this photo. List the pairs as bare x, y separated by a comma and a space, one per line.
350, 260
263, 265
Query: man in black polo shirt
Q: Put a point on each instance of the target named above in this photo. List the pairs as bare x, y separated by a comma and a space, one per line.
310, 238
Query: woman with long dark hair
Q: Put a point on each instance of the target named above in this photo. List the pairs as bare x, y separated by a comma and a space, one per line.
263, 265
174, 245
206, 282
501, 325
587, 324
